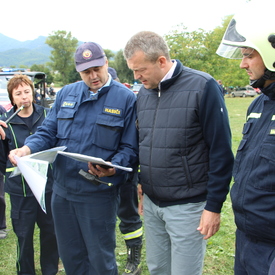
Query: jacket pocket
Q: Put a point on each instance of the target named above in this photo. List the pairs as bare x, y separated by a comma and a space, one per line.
64, 122
187, 172
265, 179
242, 144
108, 130
246, 128
238, 157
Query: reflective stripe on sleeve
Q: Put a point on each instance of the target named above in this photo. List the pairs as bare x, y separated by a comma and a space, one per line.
254, 115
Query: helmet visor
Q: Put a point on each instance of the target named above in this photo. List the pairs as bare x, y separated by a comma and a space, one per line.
229, 51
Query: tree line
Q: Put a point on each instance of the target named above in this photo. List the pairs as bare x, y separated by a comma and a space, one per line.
195, 49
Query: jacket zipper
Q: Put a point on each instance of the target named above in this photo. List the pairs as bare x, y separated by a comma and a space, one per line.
153, 130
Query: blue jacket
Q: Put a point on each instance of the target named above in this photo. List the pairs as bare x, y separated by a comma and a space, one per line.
16, 133
253, 191
185, 141
2, 110
102, 127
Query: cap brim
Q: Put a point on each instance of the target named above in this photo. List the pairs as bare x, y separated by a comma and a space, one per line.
93, 63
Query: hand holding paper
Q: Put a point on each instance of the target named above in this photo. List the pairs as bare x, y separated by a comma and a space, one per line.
34, 168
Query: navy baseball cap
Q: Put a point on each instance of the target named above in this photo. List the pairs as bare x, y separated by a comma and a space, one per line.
112, 72
89, 55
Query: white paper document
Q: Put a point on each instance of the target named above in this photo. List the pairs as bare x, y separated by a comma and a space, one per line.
34, 168
47, 155
35, 174
94, 160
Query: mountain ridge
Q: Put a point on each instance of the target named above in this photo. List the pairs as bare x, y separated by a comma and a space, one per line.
15, 53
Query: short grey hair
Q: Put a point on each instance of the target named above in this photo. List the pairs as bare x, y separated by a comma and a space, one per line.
150, 43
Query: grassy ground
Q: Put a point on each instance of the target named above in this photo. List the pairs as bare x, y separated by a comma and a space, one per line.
219, 257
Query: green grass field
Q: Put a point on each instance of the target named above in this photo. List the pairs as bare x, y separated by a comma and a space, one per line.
219, 257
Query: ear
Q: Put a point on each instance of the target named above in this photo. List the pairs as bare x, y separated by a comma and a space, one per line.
162, 61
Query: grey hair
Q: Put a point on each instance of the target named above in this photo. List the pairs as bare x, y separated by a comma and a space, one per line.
150, 43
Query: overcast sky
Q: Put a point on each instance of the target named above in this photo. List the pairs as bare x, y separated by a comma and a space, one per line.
111, 22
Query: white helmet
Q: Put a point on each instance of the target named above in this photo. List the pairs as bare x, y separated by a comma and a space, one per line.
253, 27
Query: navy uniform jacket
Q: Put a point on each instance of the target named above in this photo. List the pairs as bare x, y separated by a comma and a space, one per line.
253, 192
16, 133
102, 127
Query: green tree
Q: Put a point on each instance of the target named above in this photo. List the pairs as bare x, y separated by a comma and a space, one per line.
123, 72
73, 75
188, 47
109, 54
197, 50
62, 59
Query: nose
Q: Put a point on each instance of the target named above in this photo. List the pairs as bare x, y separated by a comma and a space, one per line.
243, 64
93, 74
136, 75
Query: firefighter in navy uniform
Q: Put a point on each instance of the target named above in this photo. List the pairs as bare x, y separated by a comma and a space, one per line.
94, 117
253, 191
130, 223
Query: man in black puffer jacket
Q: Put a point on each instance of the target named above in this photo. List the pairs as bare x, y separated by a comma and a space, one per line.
185, 155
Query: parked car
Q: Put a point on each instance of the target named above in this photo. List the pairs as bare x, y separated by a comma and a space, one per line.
243, 92
136, 88
4, 96
4, 100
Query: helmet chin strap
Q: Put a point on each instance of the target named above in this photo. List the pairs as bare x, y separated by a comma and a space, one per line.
259, 83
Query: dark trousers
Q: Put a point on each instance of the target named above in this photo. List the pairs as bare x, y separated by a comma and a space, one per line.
2, 204
128, 209
25, 213
86, 233
252, 256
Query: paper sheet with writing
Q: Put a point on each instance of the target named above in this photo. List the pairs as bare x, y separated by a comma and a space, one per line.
35, 174
47, 155
34, 168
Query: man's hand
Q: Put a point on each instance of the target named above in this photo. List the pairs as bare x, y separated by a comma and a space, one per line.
2, 132
209, 224
21, 152
97, 170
